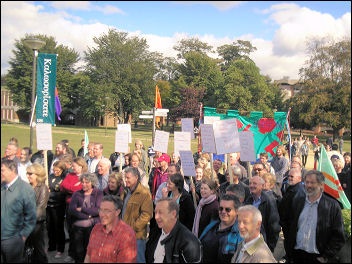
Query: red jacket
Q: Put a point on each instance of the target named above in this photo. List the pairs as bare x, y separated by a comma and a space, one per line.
69, 186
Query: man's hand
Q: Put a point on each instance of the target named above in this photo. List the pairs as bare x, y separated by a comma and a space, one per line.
24, 238
322, 259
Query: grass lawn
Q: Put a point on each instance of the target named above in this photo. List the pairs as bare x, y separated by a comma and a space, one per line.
75, 134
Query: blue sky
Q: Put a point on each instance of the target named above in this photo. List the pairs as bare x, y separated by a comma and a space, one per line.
277, 28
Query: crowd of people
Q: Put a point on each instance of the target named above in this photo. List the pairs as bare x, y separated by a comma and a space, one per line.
139, 207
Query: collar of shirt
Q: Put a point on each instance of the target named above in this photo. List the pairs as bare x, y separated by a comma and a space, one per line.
12, 182
250, 243
316, 201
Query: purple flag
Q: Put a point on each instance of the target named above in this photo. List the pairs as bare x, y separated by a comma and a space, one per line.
57, 104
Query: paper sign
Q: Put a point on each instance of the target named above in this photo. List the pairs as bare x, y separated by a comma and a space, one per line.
182, 141
211, 119
247, 152
126, 127
187, 126
121, 141
226, 136
161, 141
44, 137
187, 163
207, 135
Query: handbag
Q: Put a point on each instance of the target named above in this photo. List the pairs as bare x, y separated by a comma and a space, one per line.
28, 253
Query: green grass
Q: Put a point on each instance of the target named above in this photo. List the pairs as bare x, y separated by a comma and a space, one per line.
75, 134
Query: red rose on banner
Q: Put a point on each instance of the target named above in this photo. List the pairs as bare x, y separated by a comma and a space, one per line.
266, 125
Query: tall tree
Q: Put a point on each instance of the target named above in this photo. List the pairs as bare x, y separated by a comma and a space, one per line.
192, 44
19, 78
123, 69
326, 92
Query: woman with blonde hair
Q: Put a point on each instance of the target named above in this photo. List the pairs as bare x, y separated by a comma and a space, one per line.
144, 155
208, 206
36, 177
271, 187
115, 184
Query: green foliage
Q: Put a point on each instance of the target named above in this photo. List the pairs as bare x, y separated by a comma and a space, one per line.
346, 215
185, 46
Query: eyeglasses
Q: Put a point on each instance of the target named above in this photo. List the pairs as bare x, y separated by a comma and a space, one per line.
30, 173
227, 209
257, 169
291, 176
104, 211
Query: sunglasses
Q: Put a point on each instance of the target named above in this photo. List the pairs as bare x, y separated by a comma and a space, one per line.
226, 209
257, 169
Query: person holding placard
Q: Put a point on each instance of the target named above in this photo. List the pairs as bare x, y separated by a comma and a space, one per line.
139, 146
217, 166
160, 174
236, 173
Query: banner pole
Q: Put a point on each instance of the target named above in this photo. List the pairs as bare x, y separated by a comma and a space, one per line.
32, 115
121, 161
212, 166
46, 166
229, 168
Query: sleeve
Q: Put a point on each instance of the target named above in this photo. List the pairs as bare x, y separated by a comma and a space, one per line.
74, 204
273, 227
146, 212
192, 252
93, 211
68, 186
43, 201
189, 211
29, 213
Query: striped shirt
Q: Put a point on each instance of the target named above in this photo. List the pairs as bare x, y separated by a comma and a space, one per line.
117, 246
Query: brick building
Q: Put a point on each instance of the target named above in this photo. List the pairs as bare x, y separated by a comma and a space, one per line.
8, 107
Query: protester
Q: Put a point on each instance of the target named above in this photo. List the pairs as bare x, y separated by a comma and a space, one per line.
103, 173
316, 154
18, 152
267, 206
11, 151
217, 165
60, 151
15, 229
98, 155
83, 209
160, 173
259, 169
25, 156
69, 150
304, 152
334, 153
344, 178
234, 159
316, 231
80, 152
55, 211
341, 145
171, 241
70, 185
236, 190
253, 249
135, 164
175, 159
144, 155
221, 237
175, 190
90, 155
111, 240
280, 164
115, 161
264, 160
271, 188
38, 157
208, 206
115, 184
137, 209
236, 174
127, 158
36, 177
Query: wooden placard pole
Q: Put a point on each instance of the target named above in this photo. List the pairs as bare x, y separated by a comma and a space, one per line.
120, 162
249, 170
45, 152
229, 168
212, 166
194, 194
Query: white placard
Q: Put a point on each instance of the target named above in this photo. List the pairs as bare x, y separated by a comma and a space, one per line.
126, 127
187, 163
187, 126
44, 136
247, 152
161, 141
211, 119
207, 135
226, 136
121, 141
182, 141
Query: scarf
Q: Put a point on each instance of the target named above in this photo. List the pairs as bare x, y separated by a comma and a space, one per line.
202, 202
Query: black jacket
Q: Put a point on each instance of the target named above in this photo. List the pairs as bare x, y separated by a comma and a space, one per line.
181, 246
187, 211
56, 197
270, 227
330, 236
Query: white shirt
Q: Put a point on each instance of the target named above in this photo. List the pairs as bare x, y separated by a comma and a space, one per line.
22, 170
159, 253
93, 165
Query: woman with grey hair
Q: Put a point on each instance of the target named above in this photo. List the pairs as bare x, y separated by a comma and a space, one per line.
84, 211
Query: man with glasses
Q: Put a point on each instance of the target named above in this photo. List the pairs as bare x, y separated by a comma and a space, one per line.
221, 237
112, 240
259, 169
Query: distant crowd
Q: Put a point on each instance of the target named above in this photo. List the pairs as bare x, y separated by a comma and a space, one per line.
140, 208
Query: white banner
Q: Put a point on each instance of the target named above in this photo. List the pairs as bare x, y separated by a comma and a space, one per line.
207, 136
44, 136
121, 141
226, 136
126, 127
187, 163
187, 126
161, 141
247, 152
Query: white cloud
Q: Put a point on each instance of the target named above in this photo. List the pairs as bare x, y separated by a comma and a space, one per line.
220, 5
86, 6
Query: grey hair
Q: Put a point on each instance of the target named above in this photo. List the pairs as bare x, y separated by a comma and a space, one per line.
318, 174
91, 177
134, 172
106, 162
257, 216
261, 180
236, 170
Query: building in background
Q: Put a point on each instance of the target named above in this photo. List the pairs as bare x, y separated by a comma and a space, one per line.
8, 107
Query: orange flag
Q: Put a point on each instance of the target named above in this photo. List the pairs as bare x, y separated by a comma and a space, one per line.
157, 104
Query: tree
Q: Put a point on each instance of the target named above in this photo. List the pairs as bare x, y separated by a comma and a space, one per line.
19, 78
122, 68
325, 96
192, 44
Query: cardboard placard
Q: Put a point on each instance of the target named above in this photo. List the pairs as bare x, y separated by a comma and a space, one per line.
182, 141
44, 136
187, 163
187, 126
121, 141
161, 141
226, 136
247, 152
208, 140
126, 127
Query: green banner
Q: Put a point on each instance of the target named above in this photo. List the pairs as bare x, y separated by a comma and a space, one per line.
268, 132
46, 82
